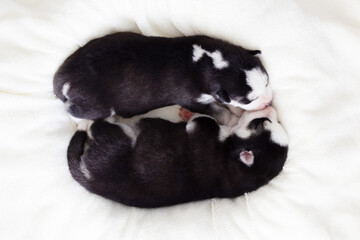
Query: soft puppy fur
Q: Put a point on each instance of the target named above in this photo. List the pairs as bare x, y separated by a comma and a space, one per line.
129, 74
154, 163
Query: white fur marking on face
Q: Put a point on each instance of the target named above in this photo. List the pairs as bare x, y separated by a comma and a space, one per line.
216, 56
257, 80
112, 110
205, 98
278, 134
241, 129
84, 170
65, 90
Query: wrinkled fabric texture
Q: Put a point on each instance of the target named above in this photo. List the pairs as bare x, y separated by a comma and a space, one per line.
310, 50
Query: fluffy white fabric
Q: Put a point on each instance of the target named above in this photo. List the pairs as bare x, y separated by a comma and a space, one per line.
311, 51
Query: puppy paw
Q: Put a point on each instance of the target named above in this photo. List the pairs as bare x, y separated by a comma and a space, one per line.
185, 114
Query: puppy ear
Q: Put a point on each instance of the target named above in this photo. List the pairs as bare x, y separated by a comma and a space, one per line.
255, 52
223, 96
247, 157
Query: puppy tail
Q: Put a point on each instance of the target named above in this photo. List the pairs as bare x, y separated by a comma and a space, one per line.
74, 153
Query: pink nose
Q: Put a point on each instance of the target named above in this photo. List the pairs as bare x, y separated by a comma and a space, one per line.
267, 99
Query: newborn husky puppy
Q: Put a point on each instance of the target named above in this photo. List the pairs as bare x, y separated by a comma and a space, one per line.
156, 163
110, 74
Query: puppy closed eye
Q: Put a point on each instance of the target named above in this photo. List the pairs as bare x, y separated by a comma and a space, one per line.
245, 100
254, 99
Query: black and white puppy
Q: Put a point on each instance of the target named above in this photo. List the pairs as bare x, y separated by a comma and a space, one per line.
155, 163
129, 74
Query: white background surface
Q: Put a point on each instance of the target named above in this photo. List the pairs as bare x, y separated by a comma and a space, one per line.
311, 51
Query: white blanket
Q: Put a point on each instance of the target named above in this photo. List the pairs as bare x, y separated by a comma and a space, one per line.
311, 52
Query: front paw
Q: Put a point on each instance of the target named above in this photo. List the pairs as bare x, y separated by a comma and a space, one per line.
185, 114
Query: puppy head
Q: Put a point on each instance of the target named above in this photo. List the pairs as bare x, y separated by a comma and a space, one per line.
246, 83
236, 75
247, 89
260, 145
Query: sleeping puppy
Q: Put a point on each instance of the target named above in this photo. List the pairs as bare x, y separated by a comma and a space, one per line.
129, 74
154, 163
